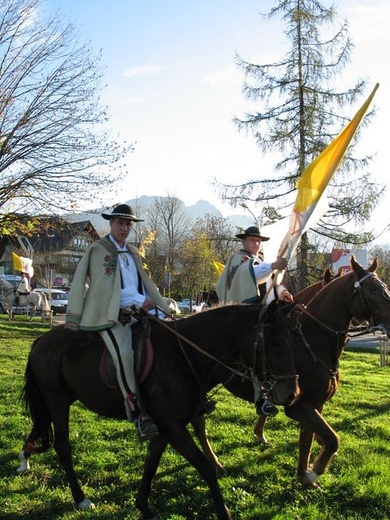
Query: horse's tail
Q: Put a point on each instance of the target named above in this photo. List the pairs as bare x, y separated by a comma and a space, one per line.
38, 411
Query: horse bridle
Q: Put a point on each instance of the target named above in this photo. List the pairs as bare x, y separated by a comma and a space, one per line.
269, 380
234, 371
357, 291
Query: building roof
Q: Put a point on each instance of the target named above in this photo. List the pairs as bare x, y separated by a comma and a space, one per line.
52, 234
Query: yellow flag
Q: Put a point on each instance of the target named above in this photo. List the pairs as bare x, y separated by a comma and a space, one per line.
17, 262
218, 267
315, 179
22, 264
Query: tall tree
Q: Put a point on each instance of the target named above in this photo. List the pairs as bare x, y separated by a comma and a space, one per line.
297, 115
382, 253
166, 219
197, 272
219, 234
55, 147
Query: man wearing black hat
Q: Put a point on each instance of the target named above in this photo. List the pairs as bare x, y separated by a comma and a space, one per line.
246, 278
118, 286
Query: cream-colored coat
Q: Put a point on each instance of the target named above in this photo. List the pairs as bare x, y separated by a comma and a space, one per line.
238, 284
96, 306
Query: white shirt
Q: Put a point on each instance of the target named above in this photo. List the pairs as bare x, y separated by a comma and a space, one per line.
263, 271
129, 293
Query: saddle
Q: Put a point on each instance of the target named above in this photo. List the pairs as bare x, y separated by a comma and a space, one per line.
143, 355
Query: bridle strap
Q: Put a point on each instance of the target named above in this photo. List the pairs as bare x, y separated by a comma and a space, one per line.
199, 349
303, 310
358, 290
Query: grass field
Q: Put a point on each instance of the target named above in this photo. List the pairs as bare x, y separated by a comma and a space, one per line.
260, 484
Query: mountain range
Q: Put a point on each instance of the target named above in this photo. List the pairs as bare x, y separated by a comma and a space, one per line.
145, 202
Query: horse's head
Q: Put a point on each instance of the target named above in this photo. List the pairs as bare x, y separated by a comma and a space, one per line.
275, 368
371, 297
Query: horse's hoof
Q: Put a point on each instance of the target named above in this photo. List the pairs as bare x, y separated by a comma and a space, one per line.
24, 463
23, 468
309, 479
85, 505
260, 439
220, 471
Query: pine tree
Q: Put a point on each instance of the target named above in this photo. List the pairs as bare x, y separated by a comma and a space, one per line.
298, 113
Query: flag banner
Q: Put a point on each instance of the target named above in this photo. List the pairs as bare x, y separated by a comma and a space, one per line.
311, 203
22, 264
218, 267
17, 262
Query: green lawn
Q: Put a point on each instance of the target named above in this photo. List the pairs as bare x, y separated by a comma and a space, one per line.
260, 483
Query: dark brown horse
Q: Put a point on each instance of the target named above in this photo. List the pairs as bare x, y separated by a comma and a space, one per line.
63, 367
318, 340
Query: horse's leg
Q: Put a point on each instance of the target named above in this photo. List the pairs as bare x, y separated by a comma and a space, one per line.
155, 450
60, 416
312, 421
181, 440
28, 449
304, 453
259, 429
199, 426
305, 443
32, 310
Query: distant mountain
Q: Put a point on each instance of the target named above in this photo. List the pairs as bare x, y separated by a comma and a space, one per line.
142, 204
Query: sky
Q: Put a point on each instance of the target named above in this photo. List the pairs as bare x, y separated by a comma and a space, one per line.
172, 87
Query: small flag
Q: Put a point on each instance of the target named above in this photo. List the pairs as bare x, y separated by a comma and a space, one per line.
218, 267
22, 264
17, 262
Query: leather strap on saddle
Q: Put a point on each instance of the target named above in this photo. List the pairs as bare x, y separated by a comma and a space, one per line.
143, 352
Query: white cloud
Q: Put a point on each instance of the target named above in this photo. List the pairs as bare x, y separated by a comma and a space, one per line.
144, 70
225, 76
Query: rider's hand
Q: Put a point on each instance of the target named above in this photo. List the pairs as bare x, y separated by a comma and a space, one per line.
148, 304
279, 264
286, 297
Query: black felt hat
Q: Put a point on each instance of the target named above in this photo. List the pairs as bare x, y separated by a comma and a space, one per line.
122, 211
252, 231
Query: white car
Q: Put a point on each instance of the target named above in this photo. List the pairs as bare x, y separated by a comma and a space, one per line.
59, 299
184, 306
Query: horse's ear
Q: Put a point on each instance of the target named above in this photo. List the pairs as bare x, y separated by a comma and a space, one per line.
339, 272
355, 264
374, 266
327, 276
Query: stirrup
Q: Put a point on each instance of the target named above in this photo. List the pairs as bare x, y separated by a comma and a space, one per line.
265, 406
146, 428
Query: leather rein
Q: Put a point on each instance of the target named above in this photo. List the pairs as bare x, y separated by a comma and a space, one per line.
199, 349
257, 347
357, 291
338, 333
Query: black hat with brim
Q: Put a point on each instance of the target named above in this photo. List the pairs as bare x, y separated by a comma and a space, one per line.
122, 211
252, 231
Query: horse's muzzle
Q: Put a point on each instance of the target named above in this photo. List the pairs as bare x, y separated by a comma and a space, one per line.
286, 390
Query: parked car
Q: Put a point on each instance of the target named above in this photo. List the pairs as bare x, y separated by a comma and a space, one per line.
184, 306
11, 278
59, 299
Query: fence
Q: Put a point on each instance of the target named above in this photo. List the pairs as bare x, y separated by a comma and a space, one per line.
384, 350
